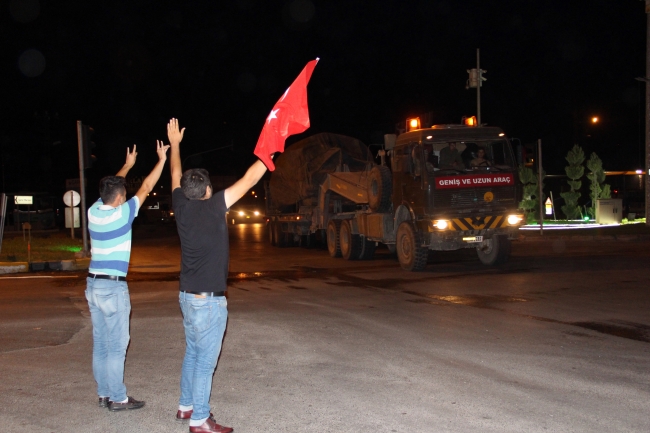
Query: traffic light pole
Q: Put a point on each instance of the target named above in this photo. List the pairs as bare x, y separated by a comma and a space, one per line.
478, 88
475, 81
82, 188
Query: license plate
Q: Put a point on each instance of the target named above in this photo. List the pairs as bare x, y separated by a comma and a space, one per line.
471, 239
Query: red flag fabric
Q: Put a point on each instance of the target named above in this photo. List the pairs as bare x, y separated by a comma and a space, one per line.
289, 116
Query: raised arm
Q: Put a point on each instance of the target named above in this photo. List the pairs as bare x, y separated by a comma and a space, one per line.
175, 136
130, 162
241, 187
150, 181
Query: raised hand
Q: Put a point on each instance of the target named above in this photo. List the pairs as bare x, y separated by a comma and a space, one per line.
173, 133
161, 149
130, 157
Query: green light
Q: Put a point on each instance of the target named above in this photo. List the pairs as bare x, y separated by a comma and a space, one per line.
586, 218
68, 248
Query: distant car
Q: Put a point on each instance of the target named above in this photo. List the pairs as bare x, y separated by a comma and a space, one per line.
156, 213
245, 214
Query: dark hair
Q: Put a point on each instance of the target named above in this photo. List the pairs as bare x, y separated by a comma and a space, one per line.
195, 183
110, 187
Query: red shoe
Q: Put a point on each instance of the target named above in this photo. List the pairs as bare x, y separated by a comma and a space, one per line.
210, 426
183, 415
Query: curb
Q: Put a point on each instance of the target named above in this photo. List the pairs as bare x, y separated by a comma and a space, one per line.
583, 238
57, 265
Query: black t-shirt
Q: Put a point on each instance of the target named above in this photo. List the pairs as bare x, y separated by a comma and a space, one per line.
203, 231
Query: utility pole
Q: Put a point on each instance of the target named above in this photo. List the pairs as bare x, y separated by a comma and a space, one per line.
82, 189
476, 81
647, 117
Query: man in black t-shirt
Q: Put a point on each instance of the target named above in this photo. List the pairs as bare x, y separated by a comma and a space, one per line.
201, 223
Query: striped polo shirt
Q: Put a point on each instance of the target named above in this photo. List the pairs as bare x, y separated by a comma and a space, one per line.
110, 236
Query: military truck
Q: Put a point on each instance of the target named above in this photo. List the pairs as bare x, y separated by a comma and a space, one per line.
412, 201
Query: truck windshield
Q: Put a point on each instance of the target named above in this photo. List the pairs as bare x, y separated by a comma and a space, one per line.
489, 154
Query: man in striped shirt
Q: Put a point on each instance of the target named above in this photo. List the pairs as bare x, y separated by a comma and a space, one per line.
109, 224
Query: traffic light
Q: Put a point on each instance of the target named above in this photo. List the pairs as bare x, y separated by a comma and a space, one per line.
88, 145
476, 78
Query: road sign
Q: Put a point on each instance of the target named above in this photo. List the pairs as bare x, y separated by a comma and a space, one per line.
23, 199
71, 198
549, 206
74, 184
71, 217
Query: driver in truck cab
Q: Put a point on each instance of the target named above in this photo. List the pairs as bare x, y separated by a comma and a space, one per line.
480, 160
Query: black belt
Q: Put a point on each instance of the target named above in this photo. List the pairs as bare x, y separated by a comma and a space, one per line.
107, 277
205, 293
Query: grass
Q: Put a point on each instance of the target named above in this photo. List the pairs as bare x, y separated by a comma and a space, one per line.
44, 247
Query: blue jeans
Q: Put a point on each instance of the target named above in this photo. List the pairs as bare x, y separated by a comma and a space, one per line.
204, 319
110, 307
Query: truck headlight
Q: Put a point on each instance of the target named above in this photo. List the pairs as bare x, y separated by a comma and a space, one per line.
513, 220
441, 224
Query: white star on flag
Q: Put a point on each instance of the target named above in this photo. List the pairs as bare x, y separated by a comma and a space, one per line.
272, 115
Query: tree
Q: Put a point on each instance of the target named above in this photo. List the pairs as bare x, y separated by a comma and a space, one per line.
529, 202
574, 171
598, 189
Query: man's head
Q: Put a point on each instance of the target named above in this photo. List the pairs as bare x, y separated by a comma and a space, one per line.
196, 185
452, 145
112, 190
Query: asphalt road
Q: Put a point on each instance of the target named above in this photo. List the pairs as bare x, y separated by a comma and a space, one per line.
556, 340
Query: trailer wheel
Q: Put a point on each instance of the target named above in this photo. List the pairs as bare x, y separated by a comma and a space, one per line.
281, 239
333, 240
495, 251
367, 249
350, 243
411, 254
271, 229
307, 241
380, 189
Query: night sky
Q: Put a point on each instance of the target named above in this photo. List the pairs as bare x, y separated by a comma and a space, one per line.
127, 67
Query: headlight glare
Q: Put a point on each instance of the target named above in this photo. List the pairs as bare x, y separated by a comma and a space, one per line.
441, 224
513, 220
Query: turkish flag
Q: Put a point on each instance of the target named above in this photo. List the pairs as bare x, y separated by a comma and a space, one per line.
290, 115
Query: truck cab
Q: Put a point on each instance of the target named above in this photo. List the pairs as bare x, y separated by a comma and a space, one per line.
458, 187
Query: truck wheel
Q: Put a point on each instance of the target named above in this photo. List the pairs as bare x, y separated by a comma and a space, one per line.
367, 249
380, 189
333, 241
411, 254
271, 229
495, 251
350, 243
